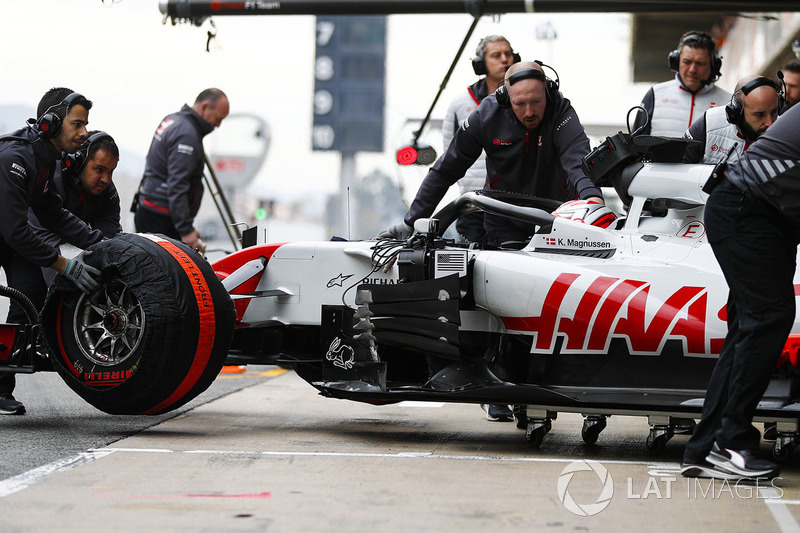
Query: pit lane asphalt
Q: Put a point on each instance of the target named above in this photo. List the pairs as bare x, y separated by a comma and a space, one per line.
276, 456
58, 423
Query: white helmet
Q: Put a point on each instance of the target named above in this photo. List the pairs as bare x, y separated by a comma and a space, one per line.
588, 212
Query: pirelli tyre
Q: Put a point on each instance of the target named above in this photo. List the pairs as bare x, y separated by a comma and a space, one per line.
154, 336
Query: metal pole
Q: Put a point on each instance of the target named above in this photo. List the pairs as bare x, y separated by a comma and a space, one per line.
446, 77
225, 212
198, 10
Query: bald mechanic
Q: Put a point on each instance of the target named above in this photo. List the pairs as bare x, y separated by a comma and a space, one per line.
533, 141
172, 185
731, 129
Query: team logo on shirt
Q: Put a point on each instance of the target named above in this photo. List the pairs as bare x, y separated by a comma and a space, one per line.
501, 142
19, 170
166, 123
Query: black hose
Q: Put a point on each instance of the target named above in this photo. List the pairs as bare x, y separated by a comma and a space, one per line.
23, 301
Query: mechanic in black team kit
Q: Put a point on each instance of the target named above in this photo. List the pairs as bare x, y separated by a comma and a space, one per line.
753, 222
172, 186
493, 57
28, 159
533, 141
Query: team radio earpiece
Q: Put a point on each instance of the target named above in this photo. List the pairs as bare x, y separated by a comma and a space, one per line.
674, 57
72, 164
479, 64
551, 86
49, 124
734, 111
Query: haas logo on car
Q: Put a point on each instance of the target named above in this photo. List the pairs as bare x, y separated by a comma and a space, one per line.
619, 308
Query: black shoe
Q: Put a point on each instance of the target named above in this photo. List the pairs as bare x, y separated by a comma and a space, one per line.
10, 406
497, 413
705, 469
770, 431
742, 462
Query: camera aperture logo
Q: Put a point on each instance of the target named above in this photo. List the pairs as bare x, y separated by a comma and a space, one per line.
586, 509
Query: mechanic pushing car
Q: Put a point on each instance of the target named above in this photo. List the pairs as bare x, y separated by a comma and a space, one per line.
28, 159
753, 222
533, 141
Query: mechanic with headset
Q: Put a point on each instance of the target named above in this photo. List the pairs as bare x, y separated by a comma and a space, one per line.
674, 105
172, 186
791, 81
728, 131
83, 180
533, 141
752, 218
493, 57
28, 159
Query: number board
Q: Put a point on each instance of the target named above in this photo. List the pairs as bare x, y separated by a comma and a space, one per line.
349, 74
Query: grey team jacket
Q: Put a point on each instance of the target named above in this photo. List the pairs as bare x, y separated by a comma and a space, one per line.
543, 162
26, 171
172, 184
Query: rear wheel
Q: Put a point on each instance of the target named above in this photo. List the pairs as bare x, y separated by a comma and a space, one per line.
152, 338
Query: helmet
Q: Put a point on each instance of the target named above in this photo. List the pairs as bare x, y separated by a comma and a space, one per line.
588, 212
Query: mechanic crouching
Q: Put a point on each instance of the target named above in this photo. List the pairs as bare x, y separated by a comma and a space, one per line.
533, 141
753, 222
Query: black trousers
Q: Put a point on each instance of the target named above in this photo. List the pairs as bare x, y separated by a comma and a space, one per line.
26, 278
147, 221
757, 250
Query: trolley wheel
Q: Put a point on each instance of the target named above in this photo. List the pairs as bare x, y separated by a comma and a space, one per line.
536, 431
592, 427
783, 448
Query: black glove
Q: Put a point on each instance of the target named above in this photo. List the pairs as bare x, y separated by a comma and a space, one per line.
85, 277
398, 232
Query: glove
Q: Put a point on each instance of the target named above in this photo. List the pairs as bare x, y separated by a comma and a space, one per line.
85, 277
398, 232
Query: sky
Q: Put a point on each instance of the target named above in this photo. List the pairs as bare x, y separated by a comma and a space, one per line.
137, 70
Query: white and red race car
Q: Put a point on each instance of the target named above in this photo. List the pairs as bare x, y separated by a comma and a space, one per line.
626, 319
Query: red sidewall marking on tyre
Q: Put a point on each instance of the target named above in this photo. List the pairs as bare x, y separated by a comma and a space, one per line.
205, 308
61, 349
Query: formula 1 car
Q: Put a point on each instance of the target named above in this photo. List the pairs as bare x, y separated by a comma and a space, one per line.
625, 319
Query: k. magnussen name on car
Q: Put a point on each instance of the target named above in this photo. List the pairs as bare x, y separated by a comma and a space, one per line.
574, 243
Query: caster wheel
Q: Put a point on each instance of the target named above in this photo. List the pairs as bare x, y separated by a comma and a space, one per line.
782, 449
657, 440
536, 432
592, 427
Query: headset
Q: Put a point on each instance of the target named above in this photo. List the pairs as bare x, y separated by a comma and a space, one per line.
734, 111
479, 64
551, 86
50, 123
73, 164
674, 57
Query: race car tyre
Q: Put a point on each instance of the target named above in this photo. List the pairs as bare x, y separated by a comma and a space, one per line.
154, 336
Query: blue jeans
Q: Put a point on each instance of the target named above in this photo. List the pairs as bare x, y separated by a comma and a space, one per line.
756, 250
